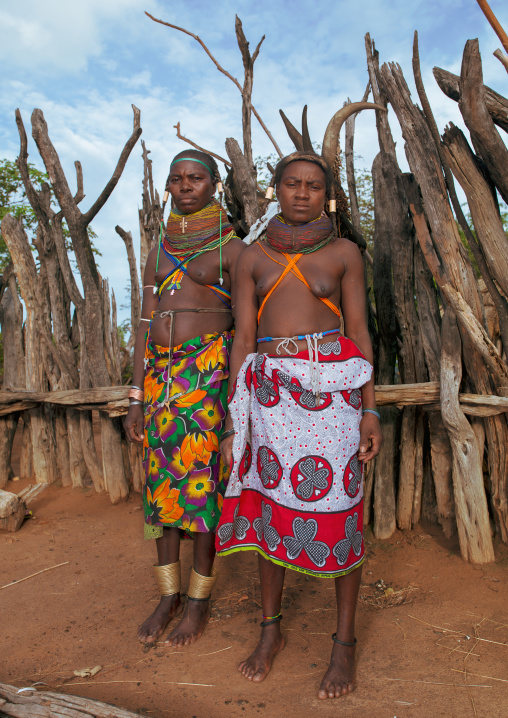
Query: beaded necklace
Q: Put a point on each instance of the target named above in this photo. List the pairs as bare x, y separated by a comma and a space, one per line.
188, 236
301, 238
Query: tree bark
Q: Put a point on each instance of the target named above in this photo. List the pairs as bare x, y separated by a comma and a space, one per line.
248, 66
8, 426
496, 104
470, 500
136, 461
46, 704
411, 358
11, 323
498, 299
150, 214
89, 451
484, 136
384, 483
35, 352
430, 326
134, 284
453, 266
482, 204
246, 180
94, 362
419, 468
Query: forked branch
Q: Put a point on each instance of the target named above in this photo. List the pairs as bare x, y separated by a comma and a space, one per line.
223, 71
80, 193
248, 66
108, 189
201, 149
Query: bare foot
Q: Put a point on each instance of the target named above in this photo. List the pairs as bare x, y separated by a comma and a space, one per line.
259, 663
339, 678
153, 628
192, 625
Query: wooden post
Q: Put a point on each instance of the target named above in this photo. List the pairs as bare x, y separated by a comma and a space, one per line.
11, 323
482, 204
486, 139
496, 104
95, 347
452, 268
35, 350
430, 325
46, 704
384, 479
470, 501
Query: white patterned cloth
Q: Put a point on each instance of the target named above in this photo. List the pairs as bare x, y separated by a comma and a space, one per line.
295, 493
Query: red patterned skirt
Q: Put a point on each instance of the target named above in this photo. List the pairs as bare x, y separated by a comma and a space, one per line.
295, 493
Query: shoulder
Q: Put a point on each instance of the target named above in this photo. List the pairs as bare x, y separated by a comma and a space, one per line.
152, 254
348, 252
248, 256
234, 246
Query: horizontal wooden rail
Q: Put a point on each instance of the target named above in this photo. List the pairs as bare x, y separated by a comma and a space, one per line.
114, 400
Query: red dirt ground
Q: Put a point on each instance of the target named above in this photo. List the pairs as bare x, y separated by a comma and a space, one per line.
450, 617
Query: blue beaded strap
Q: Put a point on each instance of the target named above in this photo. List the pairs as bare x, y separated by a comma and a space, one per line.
299, 336
372, 411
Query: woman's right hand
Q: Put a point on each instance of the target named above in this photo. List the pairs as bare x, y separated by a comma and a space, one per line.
135, 423
226, 451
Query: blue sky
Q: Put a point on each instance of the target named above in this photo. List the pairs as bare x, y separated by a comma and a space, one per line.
84, 63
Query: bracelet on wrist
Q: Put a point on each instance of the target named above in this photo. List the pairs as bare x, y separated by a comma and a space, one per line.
227, 434
135, 393
133, 386
136, 402
372, 411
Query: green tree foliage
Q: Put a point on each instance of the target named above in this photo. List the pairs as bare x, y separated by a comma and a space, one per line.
13, 200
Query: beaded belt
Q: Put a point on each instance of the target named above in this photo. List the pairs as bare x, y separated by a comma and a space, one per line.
289, 345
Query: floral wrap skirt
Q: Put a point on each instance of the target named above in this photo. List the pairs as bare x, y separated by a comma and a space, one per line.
185, 480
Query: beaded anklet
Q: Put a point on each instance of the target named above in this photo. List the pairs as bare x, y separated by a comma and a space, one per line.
268, 620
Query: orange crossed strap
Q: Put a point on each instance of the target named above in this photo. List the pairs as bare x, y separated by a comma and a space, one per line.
291, 267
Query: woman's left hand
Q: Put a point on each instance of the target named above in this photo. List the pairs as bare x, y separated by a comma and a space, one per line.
371, 437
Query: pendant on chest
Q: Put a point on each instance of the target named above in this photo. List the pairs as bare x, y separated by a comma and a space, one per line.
175, 282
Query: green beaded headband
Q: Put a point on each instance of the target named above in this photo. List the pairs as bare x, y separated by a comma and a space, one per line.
191, 159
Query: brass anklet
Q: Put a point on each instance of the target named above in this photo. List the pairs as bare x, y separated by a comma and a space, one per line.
168, 578
200, 587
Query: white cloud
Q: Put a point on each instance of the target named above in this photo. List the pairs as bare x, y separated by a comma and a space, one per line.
84, 64
58, 36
